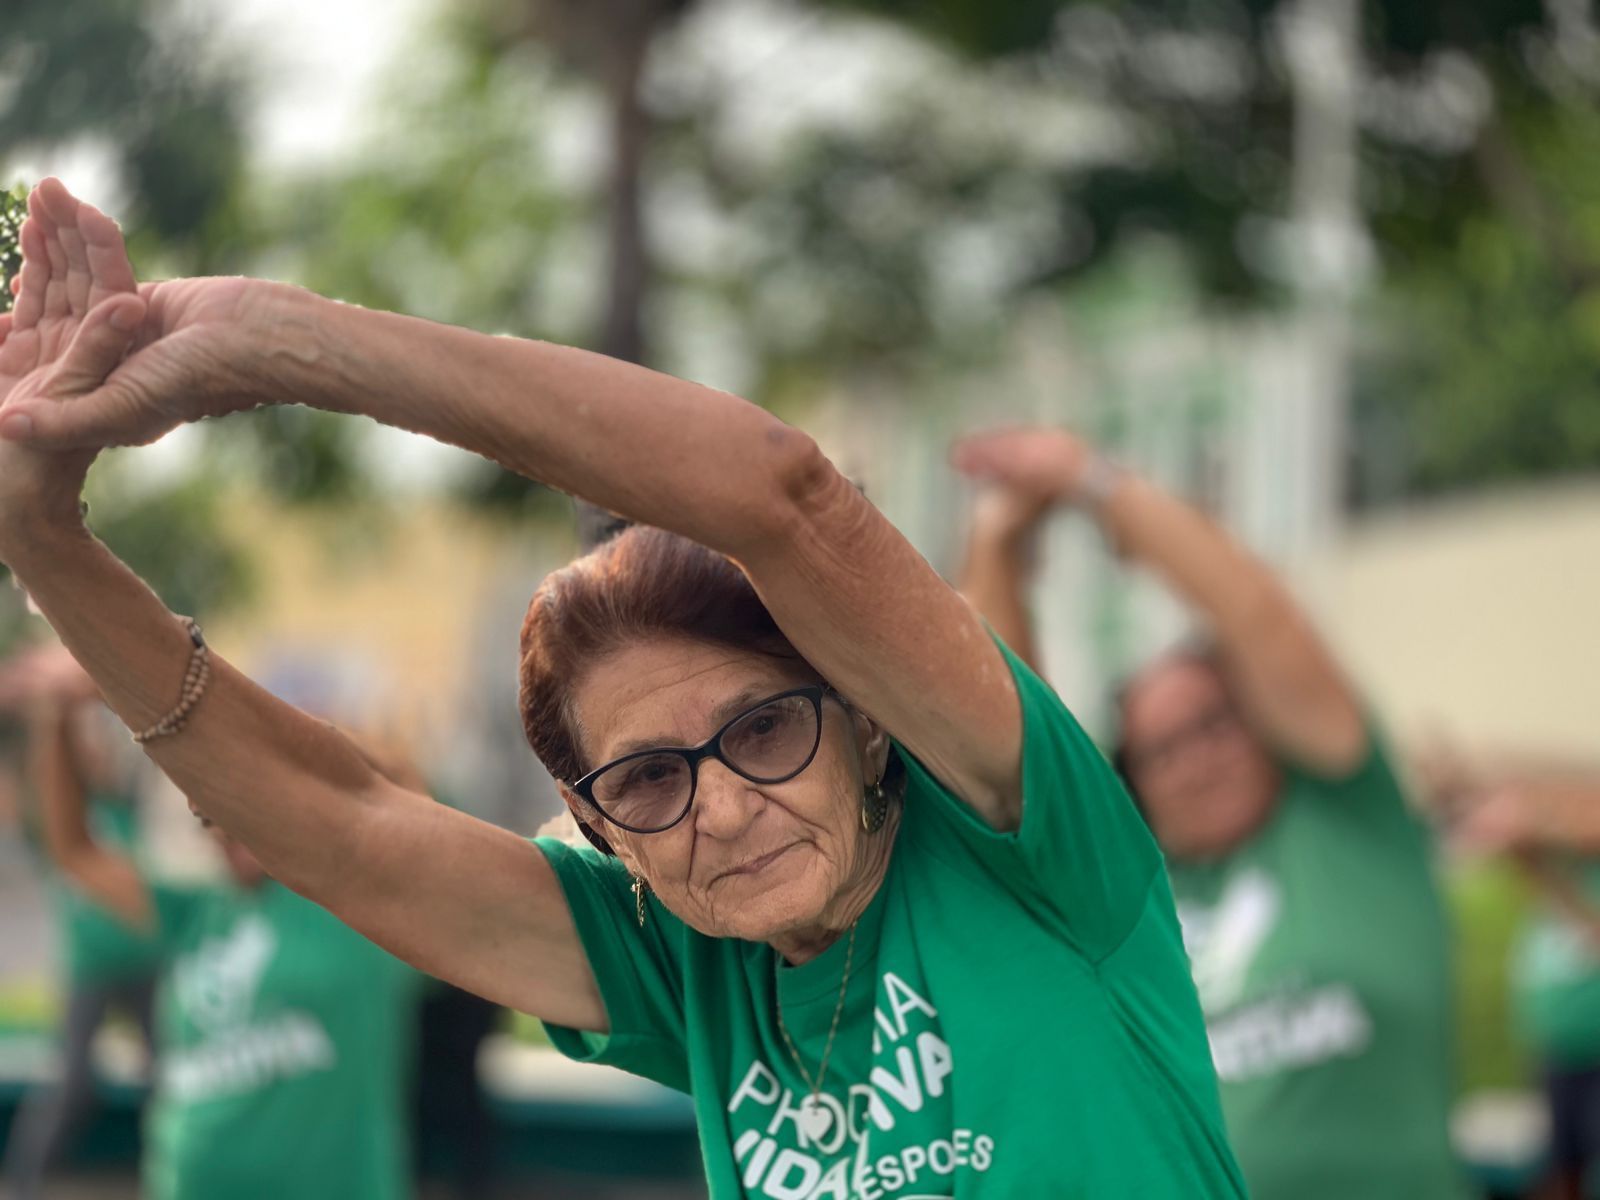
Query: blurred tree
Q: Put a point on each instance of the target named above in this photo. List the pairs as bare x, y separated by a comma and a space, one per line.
130, 76
1477, 125
1031, 143
610, 42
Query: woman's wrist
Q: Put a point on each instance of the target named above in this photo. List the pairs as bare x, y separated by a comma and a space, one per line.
289, 345
336, 357
1094, 482
33, 528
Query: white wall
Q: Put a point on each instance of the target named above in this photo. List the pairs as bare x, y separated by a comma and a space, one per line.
1479, 618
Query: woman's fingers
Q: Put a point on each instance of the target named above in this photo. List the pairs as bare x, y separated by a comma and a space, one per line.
56, 300
97, 259
110, 270
34, 276
128, 407
98, 347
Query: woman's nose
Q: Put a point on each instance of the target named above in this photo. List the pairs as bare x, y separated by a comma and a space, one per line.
725, 803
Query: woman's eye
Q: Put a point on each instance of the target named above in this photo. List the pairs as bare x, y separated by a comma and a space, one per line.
652, 774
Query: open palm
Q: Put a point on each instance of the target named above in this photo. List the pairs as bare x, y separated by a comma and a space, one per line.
90, 359
73, 258
73, 263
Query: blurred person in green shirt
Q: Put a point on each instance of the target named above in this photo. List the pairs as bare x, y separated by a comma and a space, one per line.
283, 1036
1546, 819
106, 967
1315, 934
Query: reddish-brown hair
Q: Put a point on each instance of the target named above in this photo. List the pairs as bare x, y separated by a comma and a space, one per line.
644, 582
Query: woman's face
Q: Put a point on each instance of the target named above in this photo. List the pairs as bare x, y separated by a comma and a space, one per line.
1204, 780
750, 860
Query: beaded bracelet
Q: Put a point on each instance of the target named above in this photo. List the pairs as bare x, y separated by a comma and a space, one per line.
194, 686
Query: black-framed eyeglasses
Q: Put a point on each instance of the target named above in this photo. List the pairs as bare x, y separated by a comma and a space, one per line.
1210, 723
772, 741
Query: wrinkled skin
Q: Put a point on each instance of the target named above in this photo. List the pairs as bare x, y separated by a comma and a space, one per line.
784, 863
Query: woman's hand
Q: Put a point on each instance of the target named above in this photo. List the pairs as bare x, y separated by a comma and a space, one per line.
1037, 467
67, 378
74, 318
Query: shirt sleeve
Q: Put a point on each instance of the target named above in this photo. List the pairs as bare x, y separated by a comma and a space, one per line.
1372, 792
639, 970
1082, 859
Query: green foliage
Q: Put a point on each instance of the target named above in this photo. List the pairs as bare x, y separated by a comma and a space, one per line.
1493, 371
13, 211
1485, 327
453, 214
129, 73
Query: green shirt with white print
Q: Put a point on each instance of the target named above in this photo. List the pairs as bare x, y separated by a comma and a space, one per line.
1320, 952
1018, 1019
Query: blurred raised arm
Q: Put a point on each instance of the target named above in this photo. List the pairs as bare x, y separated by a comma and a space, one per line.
57, 771
998, 567
1288, 684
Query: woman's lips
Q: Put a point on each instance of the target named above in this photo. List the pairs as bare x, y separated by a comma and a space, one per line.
760, 864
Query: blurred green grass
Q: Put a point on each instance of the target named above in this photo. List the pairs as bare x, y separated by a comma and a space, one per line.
1488, 903
27, 1006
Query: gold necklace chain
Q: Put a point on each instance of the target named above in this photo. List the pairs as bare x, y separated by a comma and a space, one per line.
838, 1011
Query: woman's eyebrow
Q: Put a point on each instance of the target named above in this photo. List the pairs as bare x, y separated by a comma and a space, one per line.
720, 716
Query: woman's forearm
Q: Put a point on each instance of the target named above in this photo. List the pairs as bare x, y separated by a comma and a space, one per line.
1287, 682
646, 445
288, 785
995, 578
59, 783
1210, 570
107, 876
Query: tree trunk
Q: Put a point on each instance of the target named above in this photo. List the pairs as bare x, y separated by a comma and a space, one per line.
622, 334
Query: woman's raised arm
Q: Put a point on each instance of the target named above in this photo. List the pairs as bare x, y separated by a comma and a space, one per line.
457, 897
849, 591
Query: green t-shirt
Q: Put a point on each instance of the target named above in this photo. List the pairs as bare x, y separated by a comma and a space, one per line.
1320, 951
1019, 1019
1557, 983
96, 948
284, 1053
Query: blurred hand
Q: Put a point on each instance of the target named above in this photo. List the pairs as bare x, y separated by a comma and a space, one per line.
1006, 514
1040, 466
1446, 784
91, 362
1504, 820
60, 678
45, 676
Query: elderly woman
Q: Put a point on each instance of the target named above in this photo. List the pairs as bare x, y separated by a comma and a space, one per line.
1303, 883
859, 884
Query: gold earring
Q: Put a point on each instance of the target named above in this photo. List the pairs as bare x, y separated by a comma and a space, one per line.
640, 887
874, 808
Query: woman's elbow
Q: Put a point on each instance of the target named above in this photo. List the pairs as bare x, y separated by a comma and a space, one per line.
798, 485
